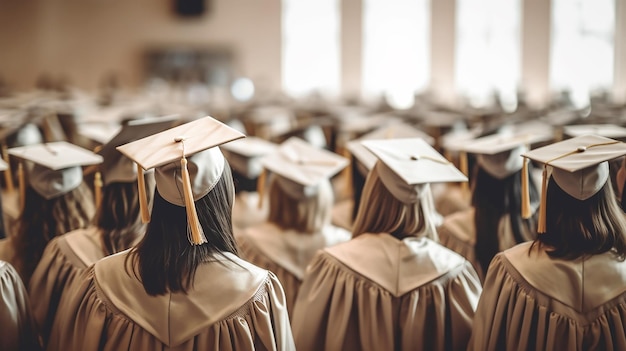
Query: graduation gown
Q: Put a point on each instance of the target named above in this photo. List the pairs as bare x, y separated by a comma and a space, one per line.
376, 292
286, 253
534, 302
63, 260
17, 327
7, 254
231, 306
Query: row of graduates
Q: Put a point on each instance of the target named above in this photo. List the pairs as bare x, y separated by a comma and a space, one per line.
389, 285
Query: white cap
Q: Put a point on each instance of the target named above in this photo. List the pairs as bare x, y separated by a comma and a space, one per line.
57, 166
244, 155
408, 163
606, 130
301, 166
579, 166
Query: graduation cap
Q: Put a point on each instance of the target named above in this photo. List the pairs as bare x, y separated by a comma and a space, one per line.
56, 167
406, 164
301, 167
187, 165
606, 130
579, 167
244, 155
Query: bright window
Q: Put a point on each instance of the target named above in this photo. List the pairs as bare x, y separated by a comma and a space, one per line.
581, 59
311, 44
488, 50
396, 48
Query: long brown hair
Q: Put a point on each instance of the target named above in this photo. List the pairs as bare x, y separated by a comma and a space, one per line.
576, 228
118, 216
165, 261
41, 220
380, 212
493, 198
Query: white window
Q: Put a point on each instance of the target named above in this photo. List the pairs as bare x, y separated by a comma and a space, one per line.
396, 48
581, 59
311, 44
488, 50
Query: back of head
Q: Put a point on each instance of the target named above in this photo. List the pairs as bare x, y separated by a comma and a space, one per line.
294, 208
575, 227
381, 212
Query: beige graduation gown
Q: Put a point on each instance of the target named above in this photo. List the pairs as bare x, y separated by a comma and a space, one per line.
17, 327
534, 302
64, 258
286, 253
231, 306
376, 292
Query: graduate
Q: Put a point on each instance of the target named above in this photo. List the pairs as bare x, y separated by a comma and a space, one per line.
392, 287
300, 202
117, 225
244, 157
183, 287
495, 221
566, 290
54, 200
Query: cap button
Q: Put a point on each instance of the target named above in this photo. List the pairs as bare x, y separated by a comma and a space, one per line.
414, 158
178, 139
581, 149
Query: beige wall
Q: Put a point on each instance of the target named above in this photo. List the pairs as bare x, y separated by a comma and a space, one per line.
85, 39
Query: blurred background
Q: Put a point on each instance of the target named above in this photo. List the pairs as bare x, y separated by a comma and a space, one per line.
456, 52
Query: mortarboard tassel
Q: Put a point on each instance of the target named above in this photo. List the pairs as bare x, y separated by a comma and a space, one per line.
347, 172
464, 168
197, 236
541, 226
260, 187
8, 175
143, 197
22, 184
526, 211
97, 184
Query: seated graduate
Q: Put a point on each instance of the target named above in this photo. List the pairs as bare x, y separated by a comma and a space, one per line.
116, 226
495, 221
55, 201
300, 202
18, 331
362, 162
392, 287
566, 290
244, 157
183, 286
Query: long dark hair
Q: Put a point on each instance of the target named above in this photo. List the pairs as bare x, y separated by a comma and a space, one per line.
165, 260
576, 228
492, 198
41, 220
118, 216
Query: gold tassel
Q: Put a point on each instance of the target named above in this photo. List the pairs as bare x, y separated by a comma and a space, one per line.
541, 226
197, 234
347, 173
464, 168
8, 175
22, 184
97, 184
526, 211
143, 197
260, 188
